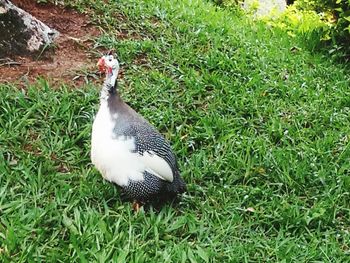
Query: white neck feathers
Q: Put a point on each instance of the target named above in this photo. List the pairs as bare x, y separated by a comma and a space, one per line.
109, 85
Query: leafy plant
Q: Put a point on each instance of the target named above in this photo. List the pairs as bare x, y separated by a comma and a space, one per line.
307, 24
338, 13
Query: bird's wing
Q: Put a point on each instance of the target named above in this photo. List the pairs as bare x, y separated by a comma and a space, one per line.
157, 165
154, 149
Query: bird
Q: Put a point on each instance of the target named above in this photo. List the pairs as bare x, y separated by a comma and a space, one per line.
127, 150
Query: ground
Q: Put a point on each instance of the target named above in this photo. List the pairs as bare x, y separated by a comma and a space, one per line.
70, 60
258, 120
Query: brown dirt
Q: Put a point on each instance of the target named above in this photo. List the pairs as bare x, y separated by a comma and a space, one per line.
70, 60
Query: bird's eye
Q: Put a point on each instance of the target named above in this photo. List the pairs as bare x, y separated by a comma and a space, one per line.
110, 58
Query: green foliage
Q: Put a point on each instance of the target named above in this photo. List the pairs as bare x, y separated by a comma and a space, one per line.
227, 3
318, 22
260, 125
339, 10
307, 24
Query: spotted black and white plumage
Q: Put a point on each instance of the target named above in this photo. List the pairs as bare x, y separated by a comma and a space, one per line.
128, 151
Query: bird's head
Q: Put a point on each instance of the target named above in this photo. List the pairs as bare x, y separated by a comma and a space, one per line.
108, 64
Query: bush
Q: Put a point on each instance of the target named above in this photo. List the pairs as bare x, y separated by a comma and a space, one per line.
311, 26
318, 22
305, 22
226, 2
339, 33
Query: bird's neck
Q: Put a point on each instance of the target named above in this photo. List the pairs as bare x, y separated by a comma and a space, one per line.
109, 87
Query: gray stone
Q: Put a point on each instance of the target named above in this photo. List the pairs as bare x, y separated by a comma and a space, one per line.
21, 33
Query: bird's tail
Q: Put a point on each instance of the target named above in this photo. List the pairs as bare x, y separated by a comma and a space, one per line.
180, 185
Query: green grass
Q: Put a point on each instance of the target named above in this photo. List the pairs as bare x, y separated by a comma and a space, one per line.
261, 130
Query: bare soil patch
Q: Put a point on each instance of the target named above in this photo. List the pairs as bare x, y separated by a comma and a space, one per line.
68, 60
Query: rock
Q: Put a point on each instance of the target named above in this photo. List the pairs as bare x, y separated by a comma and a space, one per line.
21, 33
265, 7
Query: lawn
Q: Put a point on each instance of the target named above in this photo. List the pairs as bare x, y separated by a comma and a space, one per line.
260, 125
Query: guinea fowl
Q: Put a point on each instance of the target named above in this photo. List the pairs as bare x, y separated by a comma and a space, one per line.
127, 150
